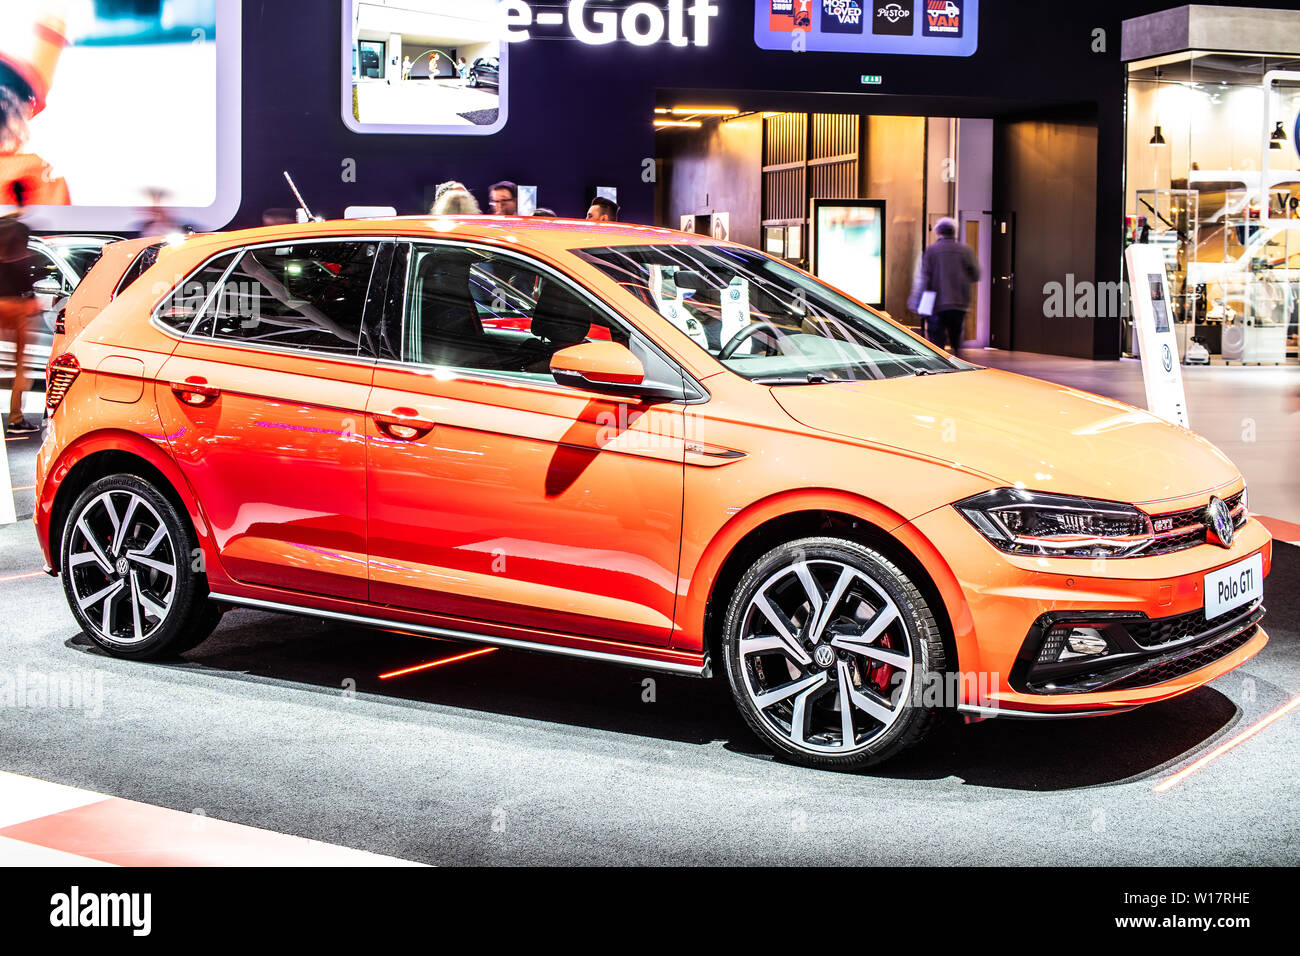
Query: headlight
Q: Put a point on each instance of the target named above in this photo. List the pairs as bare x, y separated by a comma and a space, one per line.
1033, 523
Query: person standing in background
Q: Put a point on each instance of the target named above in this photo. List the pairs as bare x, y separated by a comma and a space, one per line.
453, 199
602, 210
17, 304
503, 198
948, 270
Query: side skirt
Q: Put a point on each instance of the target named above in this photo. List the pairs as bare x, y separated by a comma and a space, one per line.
423, 630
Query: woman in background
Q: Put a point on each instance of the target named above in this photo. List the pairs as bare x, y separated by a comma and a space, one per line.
453, 199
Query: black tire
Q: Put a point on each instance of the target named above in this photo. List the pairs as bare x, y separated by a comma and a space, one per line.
760, 670
137, 631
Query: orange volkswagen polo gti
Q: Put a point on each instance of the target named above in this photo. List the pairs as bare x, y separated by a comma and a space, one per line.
631, 445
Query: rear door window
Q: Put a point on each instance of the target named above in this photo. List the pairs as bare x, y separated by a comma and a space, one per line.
309, 296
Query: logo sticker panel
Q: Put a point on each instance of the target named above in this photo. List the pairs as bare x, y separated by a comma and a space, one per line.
943, 18
893, 19
842, 16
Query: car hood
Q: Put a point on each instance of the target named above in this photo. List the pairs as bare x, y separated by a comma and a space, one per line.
1019, 430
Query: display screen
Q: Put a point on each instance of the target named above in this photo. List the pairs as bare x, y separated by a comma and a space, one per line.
423, 66
120, 114
1157, 284
918, 27
849, 247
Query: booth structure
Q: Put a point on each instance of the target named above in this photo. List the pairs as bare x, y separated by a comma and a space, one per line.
1212, 172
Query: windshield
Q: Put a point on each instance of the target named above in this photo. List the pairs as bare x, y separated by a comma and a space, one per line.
764, 320
80, 258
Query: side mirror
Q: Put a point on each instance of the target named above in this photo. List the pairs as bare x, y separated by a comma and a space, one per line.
48, 286
610, 369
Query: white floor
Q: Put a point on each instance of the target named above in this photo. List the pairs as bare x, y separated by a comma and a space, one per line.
421, 102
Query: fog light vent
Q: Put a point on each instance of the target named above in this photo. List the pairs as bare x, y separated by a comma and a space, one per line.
1084, 642
1072, 642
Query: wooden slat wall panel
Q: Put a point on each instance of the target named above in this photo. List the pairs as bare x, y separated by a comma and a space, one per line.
783, 194
834, 134
785, 139
834, 181
808, 156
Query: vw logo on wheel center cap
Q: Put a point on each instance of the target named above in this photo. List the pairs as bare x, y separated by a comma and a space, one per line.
824, 655
1218, 523
123, 566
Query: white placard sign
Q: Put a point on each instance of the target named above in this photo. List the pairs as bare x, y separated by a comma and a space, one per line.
7, 512
1154, 324
735, 314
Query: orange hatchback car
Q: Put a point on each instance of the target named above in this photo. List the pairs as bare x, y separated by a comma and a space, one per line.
636, 446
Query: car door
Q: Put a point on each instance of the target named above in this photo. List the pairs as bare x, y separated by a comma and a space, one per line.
264, 403
52, 283
496, 494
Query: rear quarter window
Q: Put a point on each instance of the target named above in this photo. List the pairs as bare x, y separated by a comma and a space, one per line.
182, 308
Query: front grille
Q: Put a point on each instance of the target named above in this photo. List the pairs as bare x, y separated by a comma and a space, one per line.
1171, 670
1169, 630
1179, 530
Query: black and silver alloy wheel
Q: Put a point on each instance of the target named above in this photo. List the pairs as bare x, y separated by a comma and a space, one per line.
825, 640
127, 571
122, 567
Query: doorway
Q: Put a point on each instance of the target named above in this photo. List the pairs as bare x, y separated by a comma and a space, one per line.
1003, 281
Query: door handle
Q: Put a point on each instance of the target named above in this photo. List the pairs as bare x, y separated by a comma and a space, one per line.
404, 424
196, 392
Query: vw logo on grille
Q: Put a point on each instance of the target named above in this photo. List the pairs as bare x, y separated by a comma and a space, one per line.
1218, 523
824, 655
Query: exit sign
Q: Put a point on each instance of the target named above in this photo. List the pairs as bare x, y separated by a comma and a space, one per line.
872, 79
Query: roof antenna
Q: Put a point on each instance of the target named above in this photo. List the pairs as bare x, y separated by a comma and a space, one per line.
302, 203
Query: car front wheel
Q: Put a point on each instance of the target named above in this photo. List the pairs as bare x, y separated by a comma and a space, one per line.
828, 645
129, 572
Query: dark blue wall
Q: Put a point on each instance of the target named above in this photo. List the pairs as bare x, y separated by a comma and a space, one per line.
579, 116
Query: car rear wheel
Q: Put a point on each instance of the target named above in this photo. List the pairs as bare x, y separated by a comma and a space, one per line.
129, 574
828, 646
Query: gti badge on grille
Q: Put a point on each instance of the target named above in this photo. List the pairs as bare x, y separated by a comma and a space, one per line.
1218, 523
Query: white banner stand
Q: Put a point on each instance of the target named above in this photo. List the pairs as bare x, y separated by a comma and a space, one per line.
1162, 369
8, 514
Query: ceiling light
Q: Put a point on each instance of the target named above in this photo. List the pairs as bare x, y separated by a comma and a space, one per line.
690, 124
705, 111
1158, 138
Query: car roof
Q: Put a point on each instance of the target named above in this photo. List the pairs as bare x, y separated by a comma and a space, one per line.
536, 233
83, 239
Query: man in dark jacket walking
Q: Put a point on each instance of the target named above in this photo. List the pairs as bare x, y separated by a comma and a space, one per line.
948, 271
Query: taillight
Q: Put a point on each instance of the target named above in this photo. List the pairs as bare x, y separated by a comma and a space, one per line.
63, 372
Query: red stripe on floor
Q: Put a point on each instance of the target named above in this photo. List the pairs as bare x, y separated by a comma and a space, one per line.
1282, 530
137, 834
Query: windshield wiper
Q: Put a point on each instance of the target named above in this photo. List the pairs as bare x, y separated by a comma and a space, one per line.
812, 378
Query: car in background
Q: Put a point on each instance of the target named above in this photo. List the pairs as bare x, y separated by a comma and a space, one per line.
486, 71
410, 425
58, 264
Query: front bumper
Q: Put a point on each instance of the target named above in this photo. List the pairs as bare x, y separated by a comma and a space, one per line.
1009, 598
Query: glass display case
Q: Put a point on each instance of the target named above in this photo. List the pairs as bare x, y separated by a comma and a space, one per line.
1196, 147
